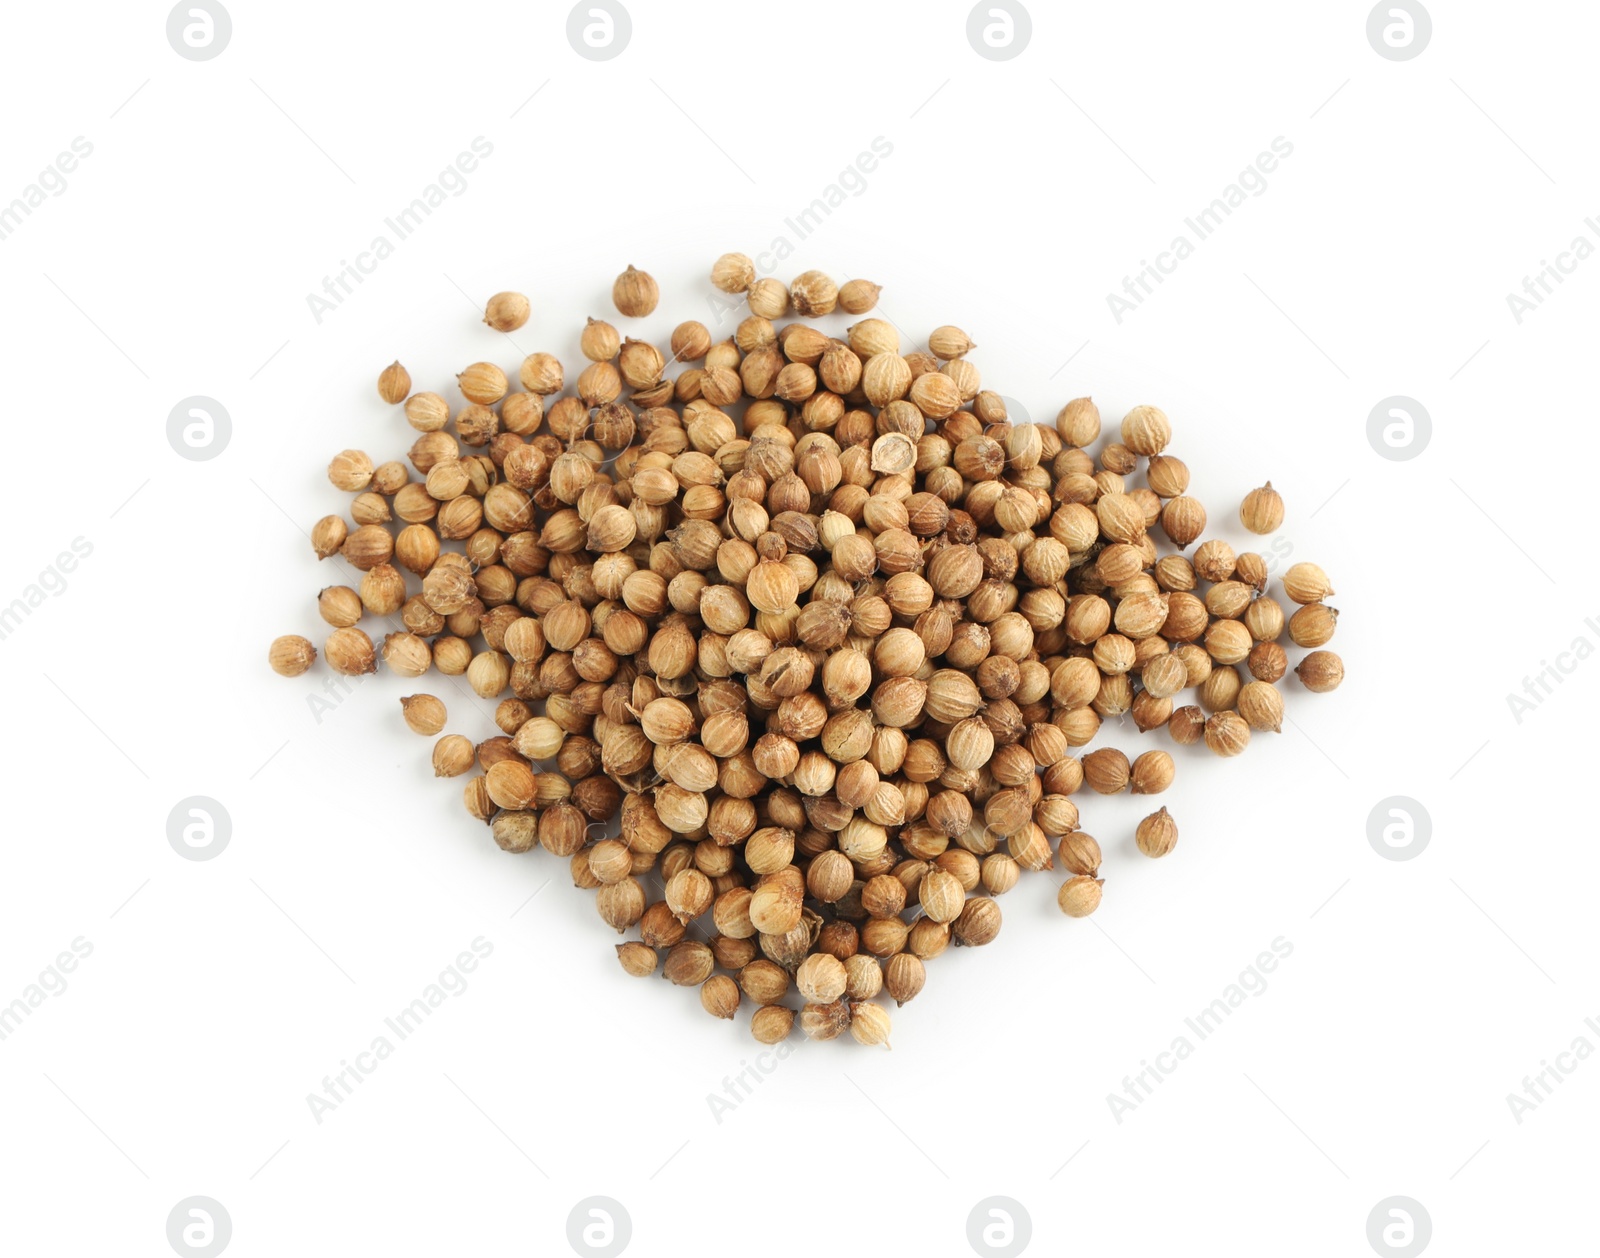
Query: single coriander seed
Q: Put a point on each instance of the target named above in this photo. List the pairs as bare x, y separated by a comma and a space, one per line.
291, 655
424, 714
1157, 834
506, 312
733, 273
394, 383
1080, 895
1320, 671
1262, 510
635, 293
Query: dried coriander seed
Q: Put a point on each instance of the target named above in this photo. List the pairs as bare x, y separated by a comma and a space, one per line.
1152, 773
1080, 895
506, 312
733, 273
350, 652
1157, 834
635, 293
423, 714
719, 996
453, 755
1227, 733
1306, 583
1262, 510
858, 296
291, 655
638, 959
1320, 671
813, 622
1261, 705
394, 383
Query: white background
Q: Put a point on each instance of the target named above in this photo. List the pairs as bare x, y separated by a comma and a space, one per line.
177, 262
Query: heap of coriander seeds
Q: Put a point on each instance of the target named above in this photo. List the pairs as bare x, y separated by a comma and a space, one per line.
794, 636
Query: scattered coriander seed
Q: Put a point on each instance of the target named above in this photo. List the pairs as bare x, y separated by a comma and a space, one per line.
328, 535
1320, 671
949, 342
1262, 510
1306, 583
771, 1024
733, 273
1227, 733
1106, 771
904, 976
813, 294
1261, 705
863, 976
600, 342
427, 412
689, 963
858, 296
350, 652
638, 959
635, 293
719, 996
1313, 625
1152, 773
291, 655
424, 714
941, 895
1267, 661
1080, 895
977, 924
1146, 430
821, 979
506, 312
453, 755
1080, 853
869, 1024
825, 1021
768, 298
1157, 834
350, 470
483, 383
394, 383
